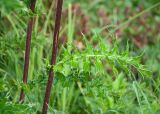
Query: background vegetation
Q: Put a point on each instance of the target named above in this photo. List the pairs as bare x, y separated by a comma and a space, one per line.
108, 58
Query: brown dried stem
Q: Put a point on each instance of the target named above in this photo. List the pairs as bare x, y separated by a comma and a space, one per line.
27, 51
54, 55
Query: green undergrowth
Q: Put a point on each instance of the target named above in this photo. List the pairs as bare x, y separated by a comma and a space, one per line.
96, 77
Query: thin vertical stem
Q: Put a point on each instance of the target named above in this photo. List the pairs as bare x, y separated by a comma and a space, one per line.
54, 55
27, 51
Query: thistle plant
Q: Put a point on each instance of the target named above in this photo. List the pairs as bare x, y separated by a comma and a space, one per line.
94, 73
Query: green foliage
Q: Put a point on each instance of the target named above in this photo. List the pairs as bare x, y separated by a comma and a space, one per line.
100, 78
10, 108
7, 6
90, 61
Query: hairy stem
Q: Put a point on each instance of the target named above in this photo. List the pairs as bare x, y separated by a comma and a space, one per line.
27, 51
54, 55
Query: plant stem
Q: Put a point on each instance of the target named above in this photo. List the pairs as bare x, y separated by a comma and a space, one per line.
54, 54
27, 51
